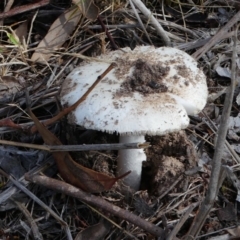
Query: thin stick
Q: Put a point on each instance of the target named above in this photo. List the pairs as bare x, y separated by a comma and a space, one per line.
140, 21
24, 8
139, 4
183, 219
105, 29
229, 147
65, 111
95, 201
40, 202
92, 147
216, 162
217, 37
32, 223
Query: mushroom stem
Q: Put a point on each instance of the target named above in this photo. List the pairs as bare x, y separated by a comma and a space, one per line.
131, 159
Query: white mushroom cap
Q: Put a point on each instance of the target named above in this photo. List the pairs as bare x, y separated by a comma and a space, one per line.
151, 91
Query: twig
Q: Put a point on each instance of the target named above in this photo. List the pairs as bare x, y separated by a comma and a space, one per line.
216, 162
115, 47
229, 147
103, 215
95, 201
217, 37
114, 26
40, 202
92, 147
215, 233
200, 42
65, 111
24, 8
35, 231
178, 180
7, 7
179, 27
183, 219
162, 22
139, 4
140, 22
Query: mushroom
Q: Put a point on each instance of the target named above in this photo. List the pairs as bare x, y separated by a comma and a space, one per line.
151, 91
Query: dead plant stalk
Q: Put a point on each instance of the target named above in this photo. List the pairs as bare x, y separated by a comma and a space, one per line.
216, 162
217, 37
145, 11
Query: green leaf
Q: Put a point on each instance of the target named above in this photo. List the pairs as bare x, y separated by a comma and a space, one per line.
13, 39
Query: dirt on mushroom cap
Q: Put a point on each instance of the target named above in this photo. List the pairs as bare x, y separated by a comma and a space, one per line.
146, 78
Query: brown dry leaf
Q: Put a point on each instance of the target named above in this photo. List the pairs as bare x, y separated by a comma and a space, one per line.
95, 232
6, 122
9, 85
72, 172
57, 34
88, 8
234, 231
22, 31
228, 213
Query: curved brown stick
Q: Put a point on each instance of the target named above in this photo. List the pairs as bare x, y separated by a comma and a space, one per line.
65, 111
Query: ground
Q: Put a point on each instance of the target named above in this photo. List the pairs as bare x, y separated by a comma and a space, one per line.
177, 172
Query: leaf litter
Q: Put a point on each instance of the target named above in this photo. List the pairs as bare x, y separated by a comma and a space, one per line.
172, 180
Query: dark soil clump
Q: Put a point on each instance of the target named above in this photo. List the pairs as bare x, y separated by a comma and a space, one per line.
146, 78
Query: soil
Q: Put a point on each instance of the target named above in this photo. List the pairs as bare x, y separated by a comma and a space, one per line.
163, 199
168, 158
146, 78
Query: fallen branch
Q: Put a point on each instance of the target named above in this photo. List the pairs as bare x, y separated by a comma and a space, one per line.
95, 201
90, 147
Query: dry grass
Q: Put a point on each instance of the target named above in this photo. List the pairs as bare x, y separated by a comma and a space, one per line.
169, 198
